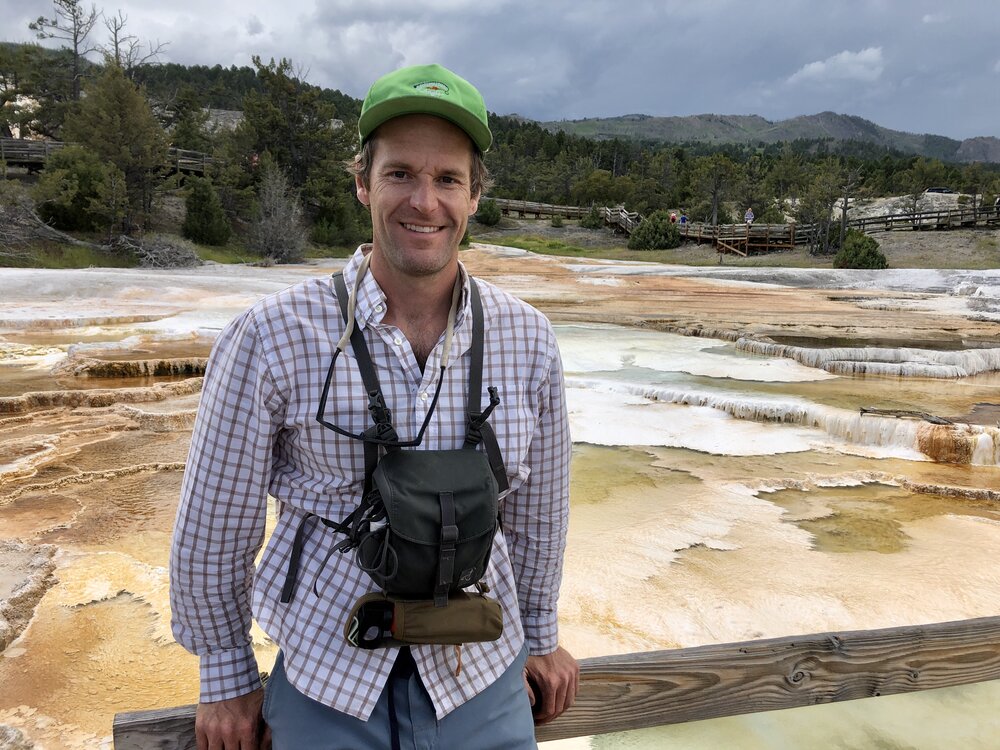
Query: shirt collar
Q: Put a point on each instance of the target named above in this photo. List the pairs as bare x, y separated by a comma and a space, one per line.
372, 304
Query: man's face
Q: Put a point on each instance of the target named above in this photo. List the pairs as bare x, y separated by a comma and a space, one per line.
419, 193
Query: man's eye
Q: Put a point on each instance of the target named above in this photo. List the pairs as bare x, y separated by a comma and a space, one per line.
399, 174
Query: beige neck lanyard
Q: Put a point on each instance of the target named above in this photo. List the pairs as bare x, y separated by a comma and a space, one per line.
352, 301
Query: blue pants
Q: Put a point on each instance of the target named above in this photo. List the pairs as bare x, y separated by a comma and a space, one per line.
499, 717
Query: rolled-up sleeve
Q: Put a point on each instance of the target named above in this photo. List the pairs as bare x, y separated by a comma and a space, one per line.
222, 510
536, 514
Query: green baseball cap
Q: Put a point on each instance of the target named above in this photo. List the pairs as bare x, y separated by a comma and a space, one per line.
426, 90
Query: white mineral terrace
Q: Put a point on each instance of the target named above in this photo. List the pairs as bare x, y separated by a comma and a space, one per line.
726, 484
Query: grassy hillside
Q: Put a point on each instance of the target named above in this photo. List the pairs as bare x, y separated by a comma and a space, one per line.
753, 129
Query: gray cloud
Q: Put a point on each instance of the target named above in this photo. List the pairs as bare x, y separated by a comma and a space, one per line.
254, 26
904, 64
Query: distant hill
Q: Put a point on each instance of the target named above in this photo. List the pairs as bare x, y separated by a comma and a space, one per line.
755, 129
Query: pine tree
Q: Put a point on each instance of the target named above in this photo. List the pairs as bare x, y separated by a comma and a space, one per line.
277, 231
116, 122
205, 221
72, 23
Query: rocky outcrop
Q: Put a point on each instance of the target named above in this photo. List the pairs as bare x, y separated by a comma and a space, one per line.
96, 397
172, 421
27, 575
903, 362
133, 368
984, 148
14, 739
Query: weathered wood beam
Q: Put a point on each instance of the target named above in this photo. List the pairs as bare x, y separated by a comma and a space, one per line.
634, 691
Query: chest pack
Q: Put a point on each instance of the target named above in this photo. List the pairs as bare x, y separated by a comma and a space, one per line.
425, 525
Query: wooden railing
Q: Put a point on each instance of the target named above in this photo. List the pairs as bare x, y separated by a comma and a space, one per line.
952, 218
617, 217
634, 691
620, 218
524, 209
28, 153
744, 239
24, 152
190, 162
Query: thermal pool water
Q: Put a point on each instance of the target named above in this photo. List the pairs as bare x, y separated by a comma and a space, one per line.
720, 492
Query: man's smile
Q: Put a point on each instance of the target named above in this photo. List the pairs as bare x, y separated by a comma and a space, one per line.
421, 228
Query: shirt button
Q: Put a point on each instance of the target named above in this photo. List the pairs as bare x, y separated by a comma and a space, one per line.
423, 395
398, 341
378, 308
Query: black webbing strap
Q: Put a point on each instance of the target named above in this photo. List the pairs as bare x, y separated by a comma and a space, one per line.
446, 550
350, 524
357, 341
370, 379
479, 430
293, 561
473, 404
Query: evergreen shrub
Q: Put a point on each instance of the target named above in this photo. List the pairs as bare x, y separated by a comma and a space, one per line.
324, 232
488, 213
70, 190
860, 251
656, 232
593, 219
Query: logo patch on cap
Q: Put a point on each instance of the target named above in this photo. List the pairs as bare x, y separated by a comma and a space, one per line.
435, 88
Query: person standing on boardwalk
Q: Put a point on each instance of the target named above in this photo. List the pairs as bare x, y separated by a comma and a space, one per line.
748, 216
420, 172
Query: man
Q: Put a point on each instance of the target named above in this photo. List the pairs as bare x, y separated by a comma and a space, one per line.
748, 217
420, 173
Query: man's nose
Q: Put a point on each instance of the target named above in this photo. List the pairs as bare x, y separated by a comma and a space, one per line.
424, 196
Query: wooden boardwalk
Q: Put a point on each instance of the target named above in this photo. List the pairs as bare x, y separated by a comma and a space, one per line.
617, 217
21, 152
743, 239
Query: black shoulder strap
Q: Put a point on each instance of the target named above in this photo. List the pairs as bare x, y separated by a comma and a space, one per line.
478, 428
357, 338
376, 401
474, 406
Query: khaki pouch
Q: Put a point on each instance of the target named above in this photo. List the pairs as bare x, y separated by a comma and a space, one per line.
376, 621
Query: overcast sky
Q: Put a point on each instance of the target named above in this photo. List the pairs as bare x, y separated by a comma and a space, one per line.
917, 65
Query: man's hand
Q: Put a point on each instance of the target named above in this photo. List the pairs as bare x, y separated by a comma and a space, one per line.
234, 724
551, 681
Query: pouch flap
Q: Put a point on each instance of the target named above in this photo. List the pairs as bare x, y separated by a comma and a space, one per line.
410, 483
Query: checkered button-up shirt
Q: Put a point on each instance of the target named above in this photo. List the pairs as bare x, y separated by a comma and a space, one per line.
256, 434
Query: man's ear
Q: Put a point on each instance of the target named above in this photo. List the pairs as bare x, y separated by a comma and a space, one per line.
362, 191
474, 203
